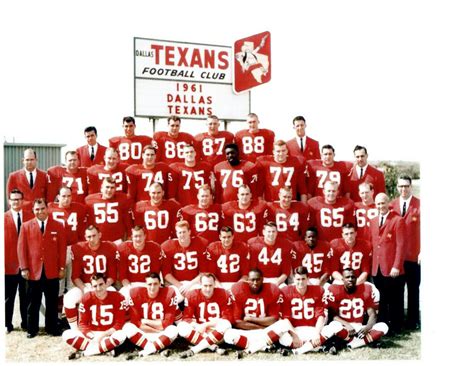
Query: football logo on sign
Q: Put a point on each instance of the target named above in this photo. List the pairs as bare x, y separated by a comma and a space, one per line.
252, 66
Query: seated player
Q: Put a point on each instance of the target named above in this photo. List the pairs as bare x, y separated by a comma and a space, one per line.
101, 318
256, 307
153, 310
207, 316
348, 303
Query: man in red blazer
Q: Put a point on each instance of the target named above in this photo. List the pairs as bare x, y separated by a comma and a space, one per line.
42, 257
408, 207
363, 172
30, 180
13, 219
387, 232
91, 153
302, 145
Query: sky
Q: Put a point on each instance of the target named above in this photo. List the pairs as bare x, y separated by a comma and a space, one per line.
394, 76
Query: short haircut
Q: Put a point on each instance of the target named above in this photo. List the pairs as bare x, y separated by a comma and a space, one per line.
367, 184
348, 269
301, 270
349, 225
226, 229
205, 187
156, 184
90, 129
112, 150
153, 275
358, 147
212, 116
231, 146
270, 224
174, 119
70, 152
16, 191
312, 229
279, 143
93, 227
287, 189
208, 275
31, 150
327, 146
98, 276
256, 270
39, 201
128, 119
405, 177
244, 186
65, 187
109, 180
183, 223
298, 118
252, 115
138, 228
148, 147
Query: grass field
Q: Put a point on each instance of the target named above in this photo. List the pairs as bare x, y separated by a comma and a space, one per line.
45, 348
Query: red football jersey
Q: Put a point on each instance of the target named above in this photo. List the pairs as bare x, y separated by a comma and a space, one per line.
247, 223
200, 309
278, 175
329, 218
318, 174
130, 149
170, 148
100, 315
59, 176
303, 310
292, 222
158, 221
350, 307
205, 222
140, 179
73, 218
163, 307
246, 303
184, 263
135, 265
359, 257
229, 178
272, 260
97, 173
112, 217
211, 147
363, 215
253, 145
228, 265
187, 180
86, 262
317, 260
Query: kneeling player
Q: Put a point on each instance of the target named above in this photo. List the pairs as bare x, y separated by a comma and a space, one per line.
153, 311
207, 315
349, 302
101, 318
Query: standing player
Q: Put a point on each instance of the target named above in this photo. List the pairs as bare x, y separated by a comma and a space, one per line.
12, 221
71, 176
365, 210
291, 217
91, 153
256, 307
110, 212
255, 141
102, 316
189, 176
227, 259
303, 306
207, 316
271, 255
210, 144
349, 303
351, 252
130, 146
302, 145
185, 260
89, 257
171, 143
408, 206
157, 215
137, 258
313, 254
245, 215
142, 176
320, 171
112, 168
361, 172
281, 170
330, 212
205, 216
32, 181
153, 311
233, 173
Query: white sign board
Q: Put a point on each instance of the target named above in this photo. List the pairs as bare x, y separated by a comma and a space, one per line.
185, 79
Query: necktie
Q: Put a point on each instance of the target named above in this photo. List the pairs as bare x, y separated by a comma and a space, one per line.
18, 222
301, 144
361, 172
381, 221
42, 227
92, 153
404, 210
31, 180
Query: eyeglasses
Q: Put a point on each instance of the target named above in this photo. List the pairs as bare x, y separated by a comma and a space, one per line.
404, 186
